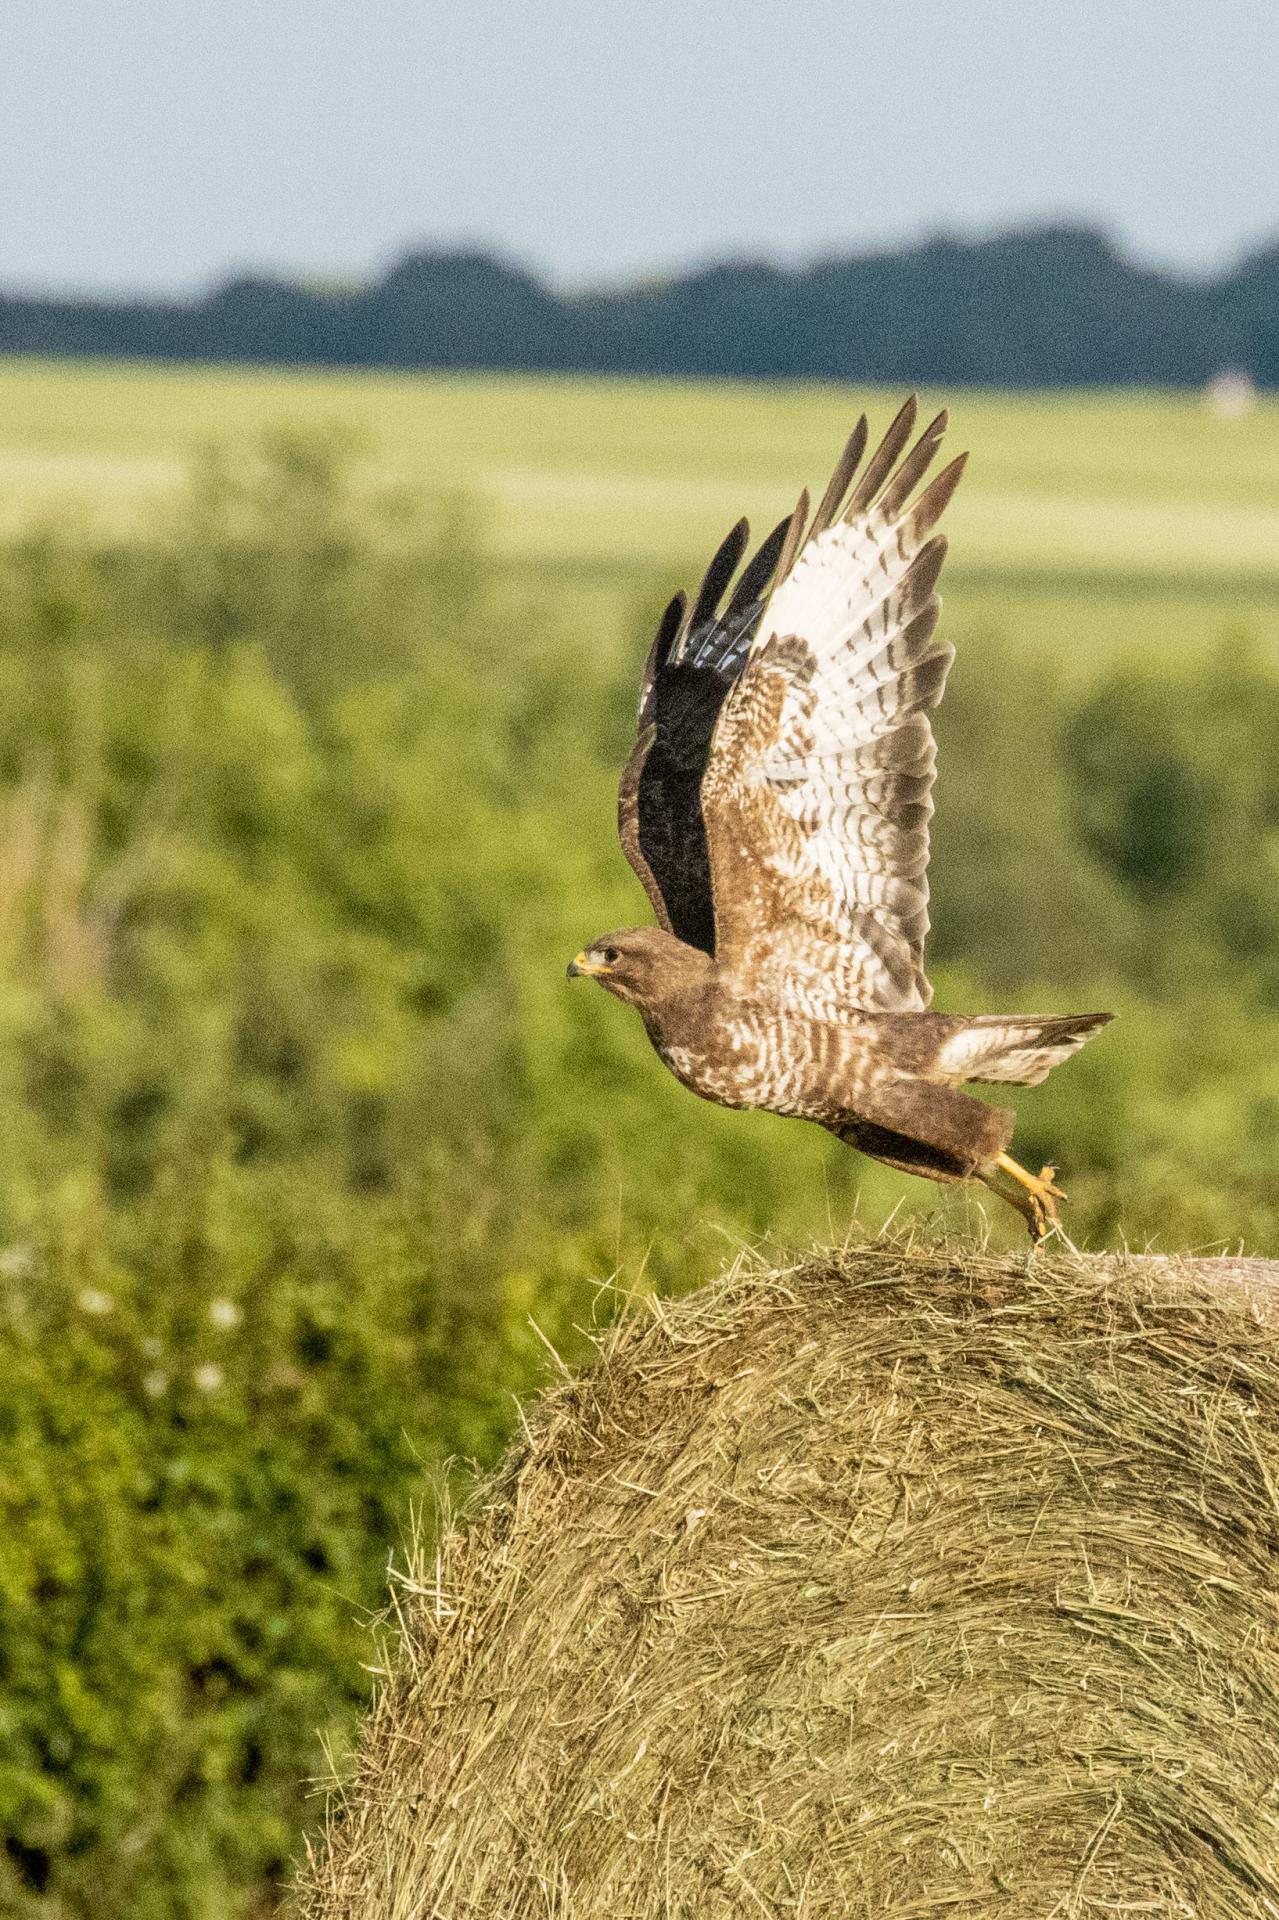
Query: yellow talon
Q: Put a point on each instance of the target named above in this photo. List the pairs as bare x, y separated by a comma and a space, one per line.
1042, 1194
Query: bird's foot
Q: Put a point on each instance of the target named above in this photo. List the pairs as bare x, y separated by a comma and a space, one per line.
1039, 1207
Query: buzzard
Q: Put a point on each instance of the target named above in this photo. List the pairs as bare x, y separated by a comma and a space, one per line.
776, 808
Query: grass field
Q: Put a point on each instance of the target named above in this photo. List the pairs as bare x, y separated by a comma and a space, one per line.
1089, 491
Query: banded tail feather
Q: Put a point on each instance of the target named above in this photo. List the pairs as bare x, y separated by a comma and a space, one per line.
1017, 1050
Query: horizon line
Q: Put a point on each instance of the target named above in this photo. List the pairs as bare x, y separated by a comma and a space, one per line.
570, 287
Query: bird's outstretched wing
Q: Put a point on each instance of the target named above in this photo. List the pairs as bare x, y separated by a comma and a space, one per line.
818, 784
698, 653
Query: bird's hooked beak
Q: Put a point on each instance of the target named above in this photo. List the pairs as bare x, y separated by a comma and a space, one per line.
583, 964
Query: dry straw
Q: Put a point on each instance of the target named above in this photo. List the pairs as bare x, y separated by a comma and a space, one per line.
902, 1583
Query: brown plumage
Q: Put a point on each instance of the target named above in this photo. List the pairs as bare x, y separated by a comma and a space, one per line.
776, 809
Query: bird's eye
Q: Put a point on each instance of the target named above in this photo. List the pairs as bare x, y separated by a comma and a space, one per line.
611, 956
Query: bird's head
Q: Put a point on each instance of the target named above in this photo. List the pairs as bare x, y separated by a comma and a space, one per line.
641, 965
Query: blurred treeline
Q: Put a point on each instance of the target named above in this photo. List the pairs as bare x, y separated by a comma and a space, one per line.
1055, 306
308, 1150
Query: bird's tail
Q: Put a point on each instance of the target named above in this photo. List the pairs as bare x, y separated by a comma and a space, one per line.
1018, 1049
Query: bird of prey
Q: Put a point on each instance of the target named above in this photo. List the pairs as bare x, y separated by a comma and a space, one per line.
776, 807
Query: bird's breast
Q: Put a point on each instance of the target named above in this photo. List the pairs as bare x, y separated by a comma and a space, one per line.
740, 1059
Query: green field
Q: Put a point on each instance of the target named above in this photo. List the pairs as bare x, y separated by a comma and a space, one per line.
313, 695
612, 474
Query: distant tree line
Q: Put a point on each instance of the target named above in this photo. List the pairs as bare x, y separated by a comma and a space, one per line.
1054, 307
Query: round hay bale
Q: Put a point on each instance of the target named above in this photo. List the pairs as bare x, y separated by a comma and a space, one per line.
903, 1583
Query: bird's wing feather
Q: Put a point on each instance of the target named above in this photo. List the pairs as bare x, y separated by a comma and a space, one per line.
818, 786
694, 660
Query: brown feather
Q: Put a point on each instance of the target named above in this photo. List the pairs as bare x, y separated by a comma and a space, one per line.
840, 481
794, 537
913, 467
932, 502
883, 460
628, 824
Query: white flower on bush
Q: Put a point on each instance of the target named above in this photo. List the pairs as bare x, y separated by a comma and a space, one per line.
93, 1300
155, 1383
17, 1262
225, 1314
208, 1376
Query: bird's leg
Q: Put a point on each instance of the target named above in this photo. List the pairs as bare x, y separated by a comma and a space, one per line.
1035, 1196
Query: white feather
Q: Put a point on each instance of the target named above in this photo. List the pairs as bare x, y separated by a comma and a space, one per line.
844, 600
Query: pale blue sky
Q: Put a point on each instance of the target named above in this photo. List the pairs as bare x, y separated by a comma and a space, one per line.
161, 143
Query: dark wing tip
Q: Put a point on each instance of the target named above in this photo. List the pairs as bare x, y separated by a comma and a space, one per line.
794, 537
922, 574
884, 458
932, 502
841, 479
664, 639
718, 574
901, 484
755, 579
668, 629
